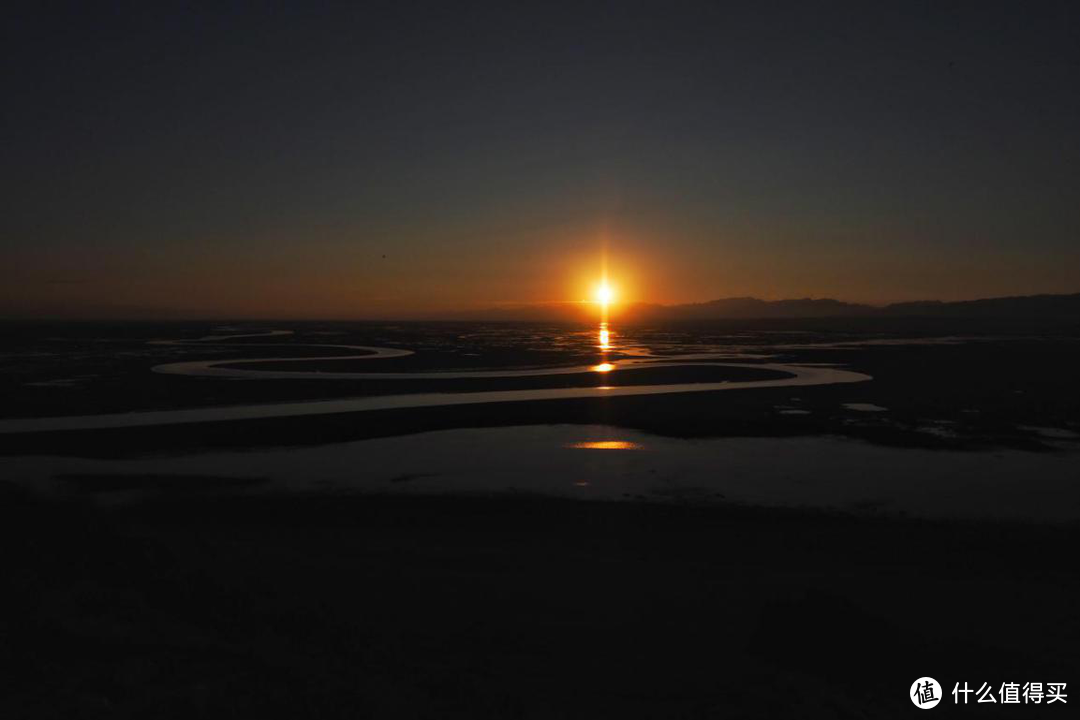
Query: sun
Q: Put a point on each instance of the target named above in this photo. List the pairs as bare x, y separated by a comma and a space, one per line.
605, 294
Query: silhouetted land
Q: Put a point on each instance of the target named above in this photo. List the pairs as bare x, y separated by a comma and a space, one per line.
514, 608
205, 599
1037, 308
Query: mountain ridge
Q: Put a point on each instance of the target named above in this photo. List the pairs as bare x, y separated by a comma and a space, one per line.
751, 308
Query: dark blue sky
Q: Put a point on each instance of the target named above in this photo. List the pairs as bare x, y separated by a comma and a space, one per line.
262, 158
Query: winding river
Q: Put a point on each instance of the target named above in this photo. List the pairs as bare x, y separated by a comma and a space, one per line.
798, 376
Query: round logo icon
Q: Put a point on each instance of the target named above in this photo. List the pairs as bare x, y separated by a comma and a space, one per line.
925, 693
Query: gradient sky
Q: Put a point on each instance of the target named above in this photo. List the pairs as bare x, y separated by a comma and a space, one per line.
352, 160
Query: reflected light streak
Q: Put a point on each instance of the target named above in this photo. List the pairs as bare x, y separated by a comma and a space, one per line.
603, 367
605, 337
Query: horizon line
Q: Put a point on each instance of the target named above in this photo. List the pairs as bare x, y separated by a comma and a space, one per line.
447, 315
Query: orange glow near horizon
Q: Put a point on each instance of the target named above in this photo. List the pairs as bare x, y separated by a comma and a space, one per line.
606, 445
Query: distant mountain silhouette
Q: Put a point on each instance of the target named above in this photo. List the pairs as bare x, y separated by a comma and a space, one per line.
1005, 307
749, 308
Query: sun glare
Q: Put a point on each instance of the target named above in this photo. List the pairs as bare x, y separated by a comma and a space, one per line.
605, 295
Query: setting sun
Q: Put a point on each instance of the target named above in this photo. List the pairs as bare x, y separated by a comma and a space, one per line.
605, 295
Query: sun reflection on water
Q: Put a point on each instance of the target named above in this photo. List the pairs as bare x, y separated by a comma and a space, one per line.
605, 346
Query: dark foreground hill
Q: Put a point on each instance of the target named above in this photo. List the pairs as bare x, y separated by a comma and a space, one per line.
501, 608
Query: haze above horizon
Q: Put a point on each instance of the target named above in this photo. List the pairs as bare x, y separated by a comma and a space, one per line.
383, 160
